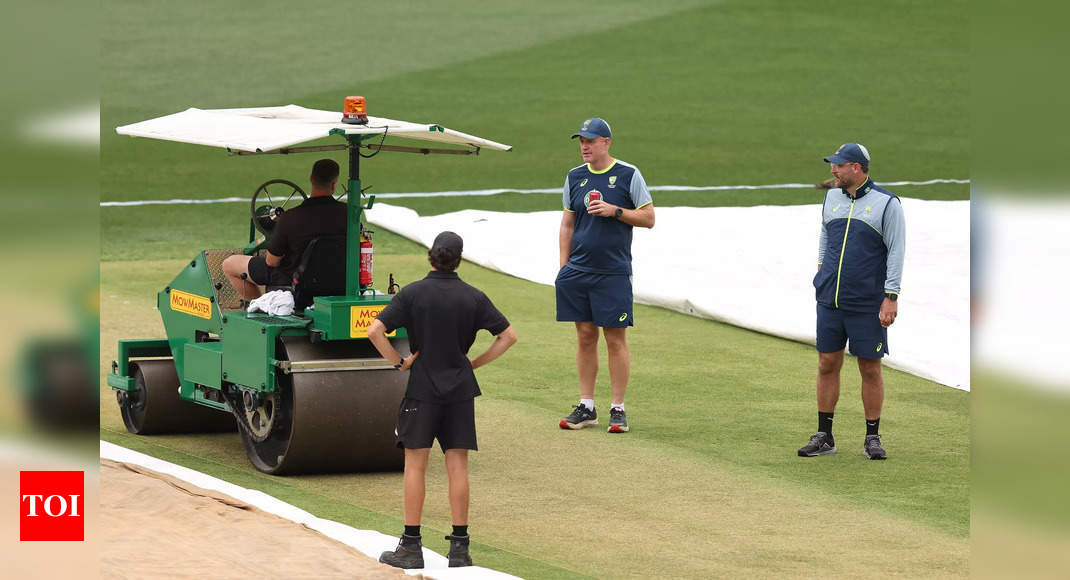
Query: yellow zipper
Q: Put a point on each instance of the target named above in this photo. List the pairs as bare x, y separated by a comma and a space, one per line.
839, 268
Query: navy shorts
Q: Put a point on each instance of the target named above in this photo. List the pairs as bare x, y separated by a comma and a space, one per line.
605, 300
835, 327
421, 422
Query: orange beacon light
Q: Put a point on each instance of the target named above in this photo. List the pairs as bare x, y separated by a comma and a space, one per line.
355, 112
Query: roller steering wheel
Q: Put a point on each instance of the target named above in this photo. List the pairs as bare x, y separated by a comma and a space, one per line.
277, 193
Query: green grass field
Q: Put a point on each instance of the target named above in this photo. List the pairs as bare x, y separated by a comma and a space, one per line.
717, 413
707, 484
698, 93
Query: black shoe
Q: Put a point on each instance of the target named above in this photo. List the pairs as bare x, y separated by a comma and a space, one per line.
409, 553
618, 422
458, 555
820, 444
872, 448
579, 418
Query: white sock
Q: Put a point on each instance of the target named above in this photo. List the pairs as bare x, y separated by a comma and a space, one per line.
589, 403
617, 406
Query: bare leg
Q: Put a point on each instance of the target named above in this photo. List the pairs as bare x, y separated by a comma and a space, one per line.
236, 265
587, 357
872, 387
620, 362
415, 468
457, 471
828, 380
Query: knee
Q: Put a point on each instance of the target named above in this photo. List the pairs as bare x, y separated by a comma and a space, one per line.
457, 470
588, 338
828, 365
871, 373
233, 265
616, 342
416, 461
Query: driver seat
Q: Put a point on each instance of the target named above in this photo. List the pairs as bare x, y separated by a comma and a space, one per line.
321, 271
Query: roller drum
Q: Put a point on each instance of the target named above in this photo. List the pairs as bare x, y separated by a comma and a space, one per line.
331, 421
155, 407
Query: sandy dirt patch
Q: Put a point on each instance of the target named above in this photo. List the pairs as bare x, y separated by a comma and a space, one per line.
209, 535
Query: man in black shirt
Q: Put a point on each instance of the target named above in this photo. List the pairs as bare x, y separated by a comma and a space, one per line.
319, 215
442, 315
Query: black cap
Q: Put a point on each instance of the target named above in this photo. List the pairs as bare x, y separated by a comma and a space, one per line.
448, 241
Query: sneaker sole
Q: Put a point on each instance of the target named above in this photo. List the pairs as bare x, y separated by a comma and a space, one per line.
825, 452
617, 429
575, 426
875, 457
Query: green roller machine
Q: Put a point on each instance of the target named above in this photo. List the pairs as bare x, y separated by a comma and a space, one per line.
307, 392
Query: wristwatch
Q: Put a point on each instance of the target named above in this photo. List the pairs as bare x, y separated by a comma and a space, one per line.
399, 364
891, 296
618, 213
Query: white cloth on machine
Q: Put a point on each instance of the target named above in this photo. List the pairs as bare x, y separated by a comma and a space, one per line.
275, 303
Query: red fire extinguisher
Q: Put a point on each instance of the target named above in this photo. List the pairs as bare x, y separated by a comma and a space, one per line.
366, 259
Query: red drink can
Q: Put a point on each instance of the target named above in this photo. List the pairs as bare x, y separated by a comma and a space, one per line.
595, 195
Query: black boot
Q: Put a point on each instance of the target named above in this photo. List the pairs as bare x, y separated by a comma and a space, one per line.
459, 551
409, 553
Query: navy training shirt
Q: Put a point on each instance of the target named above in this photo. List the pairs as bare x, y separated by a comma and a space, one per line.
603, 245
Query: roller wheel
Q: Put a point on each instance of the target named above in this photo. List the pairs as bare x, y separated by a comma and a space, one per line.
60, 393
327, 422
156, 408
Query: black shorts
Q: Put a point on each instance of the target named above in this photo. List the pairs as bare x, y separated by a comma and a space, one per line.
259, 272
421, 422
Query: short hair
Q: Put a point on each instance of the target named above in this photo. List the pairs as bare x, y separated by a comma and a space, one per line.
444, 259
865, 168
324, 172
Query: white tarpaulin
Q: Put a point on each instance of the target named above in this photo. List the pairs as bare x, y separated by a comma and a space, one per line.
261, 129
748, 266
1021, 259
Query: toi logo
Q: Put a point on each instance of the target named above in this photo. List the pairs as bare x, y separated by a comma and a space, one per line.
51, 506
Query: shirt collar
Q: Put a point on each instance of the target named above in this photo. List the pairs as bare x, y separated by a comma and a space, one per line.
318, 199
441, 274
611, 166
862, 189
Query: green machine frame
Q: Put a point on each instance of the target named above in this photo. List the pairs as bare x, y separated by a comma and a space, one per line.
195, 323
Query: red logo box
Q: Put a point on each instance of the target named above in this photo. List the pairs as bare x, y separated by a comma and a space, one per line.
51, 506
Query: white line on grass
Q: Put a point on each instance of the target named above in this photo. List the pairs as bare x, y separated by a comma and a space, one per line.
479, 192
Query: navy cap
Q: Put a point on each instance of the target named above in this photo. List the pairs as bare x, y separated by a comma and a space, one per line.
594, 127
850, 153
448, 241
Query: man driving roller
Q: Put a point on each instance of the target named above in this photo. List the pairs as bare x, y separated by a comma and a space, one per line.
319, 215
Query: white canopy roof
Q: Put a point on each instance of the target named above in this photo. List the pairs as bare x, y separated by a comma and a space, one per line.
265, 129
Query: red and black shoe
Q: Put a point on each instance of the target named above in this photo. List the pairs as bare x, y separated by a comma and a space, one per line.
618, 421
579, 418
